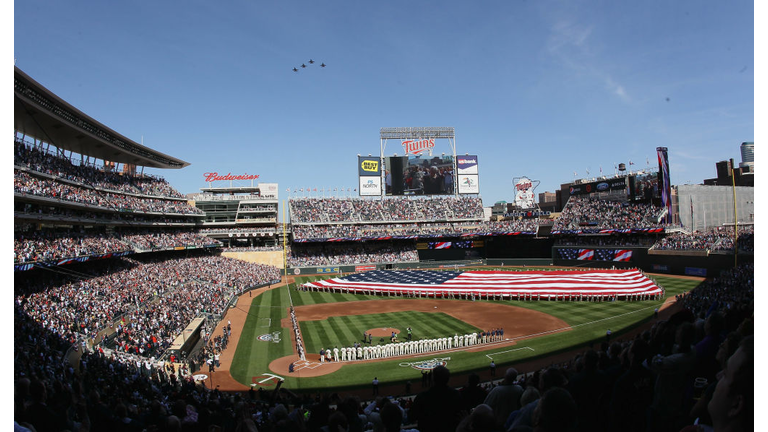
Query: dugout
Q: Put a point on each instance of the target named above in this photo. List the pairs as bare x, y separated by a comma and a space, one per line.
187, 339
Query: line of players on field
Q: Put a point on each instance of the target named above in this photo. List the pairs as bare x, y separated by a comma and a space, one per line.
361, 352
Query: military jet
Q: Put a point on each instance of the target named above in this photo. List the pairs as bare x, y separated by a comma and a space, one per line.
303, 65
311, 61
322, 64
295, 70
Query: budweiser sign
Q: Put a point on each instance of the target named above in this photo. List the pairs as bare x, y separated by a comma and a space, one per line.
214, 176
417, 147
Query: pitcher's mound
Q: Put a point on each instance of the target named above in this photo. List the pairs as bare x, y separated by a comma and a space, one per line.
383, 332
311, 367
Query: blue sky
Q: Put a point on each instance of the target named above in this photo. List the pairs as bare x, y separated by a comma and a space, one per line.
534, 88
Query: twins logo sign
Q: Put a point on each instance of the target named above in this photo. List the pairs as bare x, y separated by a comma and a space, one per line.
524, 192
427, 364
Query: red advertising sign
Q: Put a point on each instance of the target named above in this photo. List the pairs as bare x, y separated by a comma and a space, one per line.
214, 176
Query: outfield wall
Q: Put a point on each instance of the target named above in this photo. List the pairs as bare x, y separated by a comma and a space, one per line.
355, 268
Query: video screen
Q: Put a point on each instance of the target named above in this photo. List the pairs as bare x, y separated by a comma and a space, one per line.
419, 175
644, 188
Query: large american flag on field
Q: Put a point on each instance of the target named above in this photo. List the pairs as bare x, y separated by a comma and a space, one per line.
516, 284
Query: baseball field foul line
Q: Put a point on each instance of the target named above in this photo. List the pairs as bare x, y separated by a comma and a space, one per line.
270, 377
490, 356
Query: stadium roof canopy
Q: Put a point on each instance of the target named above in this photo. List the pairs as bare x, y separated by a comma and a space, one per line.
41, 114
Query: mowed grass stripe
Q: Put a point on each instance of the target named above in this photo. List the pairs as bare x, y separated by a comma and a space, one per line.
342, 334
350, 331
313, 336
309, 337
441, 325
339, 297
331, 332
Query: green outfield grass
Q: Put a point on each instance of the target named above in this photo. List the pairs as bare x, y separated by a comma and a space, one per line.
589, 322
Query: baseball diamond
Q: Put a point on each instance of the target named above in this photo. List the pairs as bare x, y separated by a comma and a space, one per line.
329, 320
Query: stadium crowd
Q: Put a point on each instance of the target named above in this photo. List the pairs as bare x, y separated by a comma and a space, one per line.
142, 301
642, 383
37, 159
601, 214
330, 210
168, 239
714, 239
266, 248
27, 184
444, 229
44, 246
334, 254
601, 240
38, 212
238, 230
47, 245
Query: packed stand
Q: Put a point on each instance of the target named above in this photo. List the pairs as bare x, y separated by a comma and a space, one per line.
697, 241
600, 214
49, 245
45, 246
273, 248
168, 239
334, 254
612, 240
164, 292
36, 159
330, 210
715, 239
41, 212
253, 231
27, 184
424, 229
148, 331
745, 240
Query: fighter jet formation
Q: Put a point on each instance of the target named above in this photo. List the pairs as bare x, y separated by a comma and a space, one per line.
304, 65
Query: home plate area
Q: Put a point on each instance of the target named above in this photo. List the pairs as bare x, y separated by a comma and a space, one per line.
305, 364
